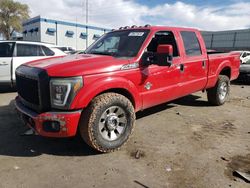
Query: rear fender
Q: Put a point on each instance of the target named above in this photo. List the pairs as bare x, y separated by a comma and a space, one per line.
224, 65
212, 80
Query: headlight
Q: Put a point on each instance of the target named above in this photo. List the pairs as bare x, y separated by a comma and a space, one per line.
63, 91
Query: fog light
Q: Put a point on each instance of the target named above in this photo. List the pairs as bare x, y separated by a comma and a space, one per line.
51, 126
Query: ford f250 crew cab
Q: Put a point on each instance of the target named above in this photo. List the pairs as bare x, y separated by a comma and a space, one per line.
125, 71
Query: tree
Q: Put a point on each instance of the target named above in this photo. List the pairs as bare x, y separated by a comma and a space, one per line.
12, 14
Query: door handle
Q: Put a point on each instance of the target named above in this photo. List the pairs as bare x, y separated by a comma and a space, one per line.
3, 64
182, 67
203, 64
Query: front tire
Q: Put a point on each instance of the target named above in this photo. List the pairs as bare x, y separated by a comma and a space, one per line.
107, 122
218, 95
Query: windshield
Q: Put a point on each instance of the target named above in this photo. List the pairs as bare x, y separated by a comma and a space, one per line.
6, 49
124, 43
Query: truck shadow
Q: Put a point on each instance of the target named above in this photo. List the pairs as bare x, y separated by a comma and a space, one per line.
241, 81
192, 100
6, 89
153, 110
12, 143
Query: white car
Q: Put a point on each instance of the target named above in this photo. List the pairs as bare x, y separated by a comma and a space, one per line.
66, 49
245, 57
15, 53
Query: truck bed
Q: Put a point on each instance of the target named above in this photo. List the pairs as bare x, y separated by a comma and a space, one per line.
217, 60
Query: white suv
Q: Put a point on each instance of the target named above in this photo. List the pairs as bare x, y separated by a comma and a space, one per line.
15, 53
245, 57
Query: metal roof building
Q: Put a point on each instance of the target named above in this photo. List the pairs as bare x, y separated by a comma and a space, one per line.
227, 40
61, 33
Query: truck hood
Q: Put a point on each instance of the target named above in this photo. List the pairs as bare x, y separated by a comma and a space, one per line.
79, 65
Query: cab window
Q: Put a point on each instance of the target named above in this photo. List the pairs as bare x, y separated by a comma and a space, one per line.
163, 37
6, 49
109, 44
244, 54
47, 51
24, 50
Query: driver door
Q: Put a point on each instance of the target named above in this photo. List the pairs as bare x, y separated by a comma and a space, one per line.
6, 56
160, 83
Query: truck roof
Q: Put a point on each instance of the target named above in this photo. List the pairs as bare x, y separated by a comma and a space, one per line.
29, 42
155, 28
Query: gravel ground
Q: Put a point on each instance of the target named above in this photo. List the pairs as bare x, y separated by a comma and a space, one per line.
185, 143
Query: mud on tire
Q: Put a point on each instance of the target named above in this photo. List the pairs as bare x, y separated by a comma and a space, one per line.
218, 95
107, 122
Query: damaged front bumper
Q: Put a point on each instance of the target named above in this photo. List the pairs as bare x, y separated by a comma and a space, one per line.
49, 124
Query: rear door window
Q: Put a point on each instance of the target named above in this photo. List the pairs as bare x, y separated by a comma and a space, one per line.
6, 49
191, 43
25, 50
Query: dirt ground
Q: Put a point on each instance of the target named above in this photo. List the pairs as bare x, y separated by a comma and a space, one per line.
185, 143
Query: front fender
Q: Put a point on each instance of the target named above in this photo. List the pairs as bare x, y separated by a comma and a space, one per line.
91, 90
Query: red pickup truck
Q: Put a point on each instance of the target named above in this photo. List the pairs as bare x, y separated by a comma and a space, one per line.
127, 70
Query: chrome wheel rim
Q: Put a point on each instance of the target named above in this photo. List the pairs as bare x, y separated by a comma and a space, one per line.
112, 123
223, 89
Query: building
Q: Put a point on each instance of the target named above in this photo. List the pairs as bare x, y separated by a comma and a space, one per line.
227, 40
16, 36
61, 33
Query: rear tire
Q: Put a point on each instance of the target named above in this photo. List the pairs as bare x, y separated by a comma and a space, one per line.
218, 95
107, 122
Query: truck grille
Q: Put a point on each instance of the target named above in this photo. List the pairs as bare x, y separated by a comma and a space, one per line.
28, 89
33, 88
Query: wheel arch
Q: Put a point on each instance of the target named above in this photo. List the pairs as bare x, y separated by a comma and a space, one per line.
226, 71
121, 91
224, 68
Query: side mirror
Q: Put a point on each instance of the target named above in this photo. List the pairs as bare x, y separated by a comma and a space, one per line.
164, 55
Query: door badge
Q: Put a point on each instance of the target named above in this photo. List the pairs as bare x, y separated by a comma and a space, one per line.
148, 86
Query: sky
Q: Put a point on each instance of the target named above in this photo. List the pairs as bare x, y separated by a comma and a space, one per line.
212, 15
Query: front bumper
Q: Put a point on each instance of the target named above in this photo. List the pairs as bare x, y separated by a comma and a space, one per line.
68, 121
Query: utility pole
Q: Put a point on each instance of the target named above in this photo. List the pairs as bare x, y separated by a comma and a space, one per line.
76, 33
56, 34
87, 19
87, 12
